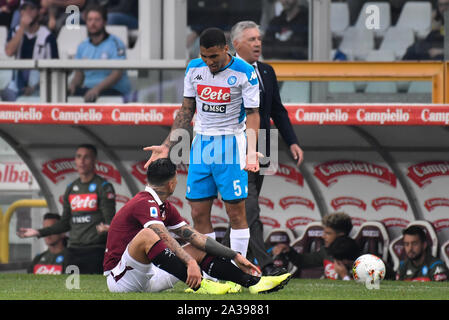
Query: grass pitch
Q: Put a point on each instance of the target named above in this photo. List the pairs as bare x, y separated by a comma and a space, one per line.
93, 287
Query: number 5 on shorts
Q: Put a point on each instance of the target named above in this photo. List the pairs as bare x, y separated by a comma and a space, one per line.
237, 188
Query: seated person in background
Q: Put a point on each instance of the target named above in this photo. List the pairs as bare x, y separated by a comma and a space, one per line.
432, 47
99, 45
7, 8
419, 264
54, 12
50, 261
29, 40
287, 36
123, 12
336, 225
345, 251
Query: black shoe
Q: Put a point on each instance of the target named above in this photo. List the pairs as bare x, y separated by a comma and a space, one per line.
272, 270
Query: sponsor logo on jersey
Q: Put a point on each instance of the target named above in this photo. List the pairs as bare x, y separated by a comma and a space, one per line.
214, 94
253, 76
47, 269
198, 77
219, 108
83, 202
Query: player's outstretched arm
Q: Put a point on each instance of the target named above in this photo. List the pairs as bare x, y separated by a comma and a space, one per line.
182, 121
252, 131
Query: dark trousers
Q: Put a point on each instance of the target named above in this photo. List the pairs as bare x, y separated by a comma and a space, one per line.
256, 246
89, 260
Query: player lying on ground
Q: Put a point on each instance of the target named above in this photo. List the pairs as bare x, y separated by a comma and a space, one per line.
141, 255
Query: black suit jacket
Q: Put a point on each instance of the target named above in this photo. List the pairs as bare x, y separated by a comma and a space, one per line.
271, 107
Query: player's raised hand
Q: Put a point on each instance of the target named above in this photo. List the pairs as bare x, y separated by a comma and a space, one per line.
252, 161
157, 152
27, 233
245, 265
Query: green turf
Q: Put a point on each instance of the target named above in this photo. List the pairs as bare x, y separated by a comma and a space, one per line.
93, 287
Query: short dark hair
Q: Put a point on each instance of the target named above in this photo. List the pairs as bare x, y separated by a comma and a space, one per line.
415, 231
51, 215
338, 221
98, 8
160, 171
212, 37
88, 146
344, 248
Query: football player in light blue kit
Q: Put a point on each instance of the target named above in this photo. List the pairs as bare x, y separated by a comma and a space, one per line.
224, 92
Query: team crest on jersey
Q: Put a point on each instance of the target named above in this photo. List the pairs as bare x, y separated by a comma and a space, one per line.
92, 187
232, 80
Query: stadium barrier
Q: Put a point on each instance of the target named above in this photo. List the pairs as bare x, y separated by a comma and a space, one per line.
53, 75
6, 218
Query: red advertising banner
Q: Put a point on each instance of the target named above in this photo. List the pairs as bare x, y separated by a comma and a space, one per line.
310, 114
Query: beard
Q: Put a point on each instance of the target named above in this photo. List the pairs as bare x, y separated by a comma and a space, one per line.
96, 34
416, 257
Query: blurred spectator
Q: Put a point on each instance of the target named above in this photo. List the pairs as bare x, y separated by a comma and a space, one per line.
29, 40
99, 45
336, 225
287, 36
50, 261
124, 12
432, 47
88, 209
7, 8
419, 264
53, 12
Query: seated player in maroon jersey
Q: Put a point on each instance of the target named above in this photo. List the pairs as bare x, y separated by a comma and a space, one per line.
142, 256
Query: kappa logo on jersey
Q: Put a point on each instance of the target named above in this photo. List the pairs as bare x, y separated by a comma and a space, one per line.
198, 77
220, 108
214, 94
83, 202
253, 76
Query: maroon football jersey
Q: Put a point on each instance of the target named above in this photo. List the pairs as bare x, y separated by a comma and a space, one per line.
141, 211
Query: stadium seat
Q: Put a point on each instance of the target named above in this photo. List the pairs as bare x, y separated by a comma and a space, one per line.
277, 236
119, 31
416, 15
372, 237
339, 20
420, 87
5, 78
444, 252
295, 91
397, 39
384, 17
68, 41
220, 230
310, 241
357, 43
396, 248
381, 55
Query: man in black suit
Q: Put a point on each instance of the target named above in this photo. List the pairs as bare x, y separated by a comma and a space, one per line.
247, 41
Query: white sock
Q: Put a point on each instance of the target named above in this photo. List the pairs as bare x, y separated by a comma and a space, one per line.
239, 240
212, 235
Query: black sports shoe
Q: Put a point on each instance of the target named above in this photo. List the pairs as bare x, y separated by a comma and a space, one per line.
272, 270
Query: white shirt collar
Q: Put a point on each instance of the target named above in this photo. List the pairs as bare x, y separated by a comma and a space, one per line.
253, 64
154, 194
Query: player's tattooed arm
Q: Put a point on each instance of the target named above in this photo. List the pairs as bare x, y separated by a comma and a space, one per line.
183, 119
171, 243
204, 242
